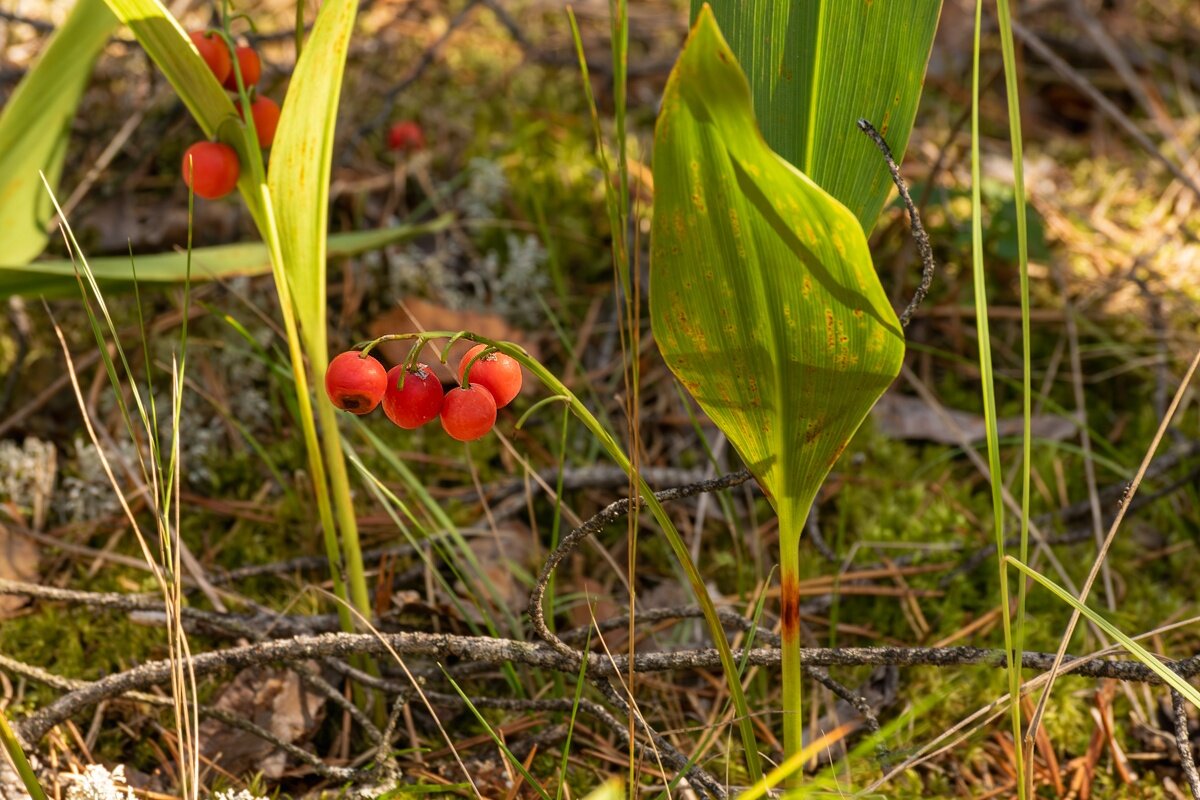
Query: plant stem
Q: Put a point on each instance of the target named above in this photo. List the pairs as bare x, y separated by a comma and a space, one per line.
789, 598
342, 500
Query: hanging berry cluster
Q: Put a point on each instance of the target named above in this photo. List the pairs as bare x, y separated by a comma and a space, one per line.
413, 395
211, 169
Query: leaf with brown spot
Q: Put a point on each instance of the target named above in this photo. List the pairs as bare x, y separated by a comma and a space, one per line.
790, 338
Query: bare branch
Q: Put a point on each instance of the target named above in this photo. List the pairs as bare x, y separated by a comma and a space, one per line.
914, 220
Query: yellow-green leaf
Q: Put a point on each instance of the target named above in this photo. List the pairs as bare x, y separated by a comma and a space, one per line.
763, 297
817, 67
300, 164
56, 277
36, 123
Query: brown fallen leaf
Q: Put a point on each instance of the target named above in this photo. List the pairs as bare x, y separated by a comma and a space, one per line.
273, 699
18, 562
902, 417
501, 554
415, 315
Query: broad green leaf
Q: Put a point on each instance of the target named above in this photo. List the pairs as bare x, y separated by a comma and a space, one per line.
817, 67
1168, 675
36, 123
166, 42
223, 261
763, 297
300, 164
764, 303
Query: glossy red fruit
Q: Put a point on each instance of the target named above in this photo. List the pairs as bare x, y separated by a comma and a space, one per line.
250, 66
406, 137
215, 54
266, 119
418, 401
354, 383
211, 169
498, 373
468, 414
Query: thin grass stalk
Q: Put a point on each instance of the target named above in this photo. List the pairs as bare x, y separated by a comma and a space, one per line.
1012, 91
17, 754
989, 403
617, 205
491, 732
162, 482
580, 681
628, 274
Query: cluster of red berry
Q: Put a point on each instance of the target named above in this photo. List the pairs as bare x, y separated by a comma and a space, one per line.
211, 168
412, 397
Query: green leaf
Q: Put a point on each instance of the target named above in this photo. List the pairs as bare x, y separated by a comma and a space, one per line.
764, 303
301, 156
1169, 676
166, 42
817, 67
57, 277
763, 297
36, 123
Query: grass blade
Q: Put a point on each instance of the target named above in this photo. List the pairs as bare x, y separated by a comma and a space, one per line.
1169, 676
979, 279
17, 754
1014, 129
516, 762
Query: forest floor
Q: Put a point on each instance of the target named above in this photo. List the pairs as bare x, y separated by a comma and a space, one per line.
898, 554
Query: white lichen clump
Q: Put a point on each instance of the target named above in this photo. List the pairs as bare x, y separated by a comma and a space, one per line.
98, 783
27, 477
230, 794
88, 494
506, 278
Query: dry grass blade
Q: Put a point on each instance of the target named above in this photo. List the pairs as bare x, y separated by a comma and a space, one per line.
1108, 540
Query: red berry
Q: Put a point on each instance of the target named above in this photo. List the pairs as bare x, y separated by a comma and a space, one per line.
417, 401
406, 136
214, 52
468, 414
250, 67
266, 119
211, 169
354, 383
496, 372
